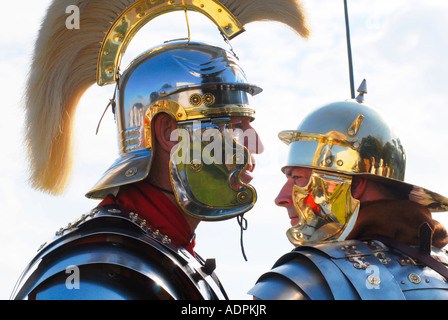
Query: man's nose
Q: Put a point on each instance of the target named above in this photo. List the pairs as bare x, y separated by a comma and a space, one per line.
284, 198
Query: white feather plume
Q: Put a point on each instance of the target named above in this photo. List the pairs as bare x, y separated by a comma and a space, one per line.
63, 68
289, 12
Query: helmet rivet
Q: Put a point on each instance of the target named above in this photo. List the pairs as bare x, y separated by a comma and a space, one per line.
340, 162
110, 70
118, 37
242, 197
195, 99
196, 165
131, 172
208, 99
237, 159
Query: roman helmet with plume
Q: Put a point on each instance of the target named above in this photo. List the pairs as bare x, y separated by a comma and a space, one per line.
67, 62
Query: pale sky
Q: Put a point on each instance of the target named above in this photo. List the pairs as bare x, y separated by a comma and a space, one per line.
399, 47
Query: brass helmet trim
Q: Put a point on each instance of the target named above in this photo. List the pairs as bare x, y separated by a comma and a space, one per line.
137, 15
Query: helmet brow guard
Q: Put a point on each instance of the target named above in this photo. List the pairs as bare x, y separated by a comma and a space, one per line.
351, 137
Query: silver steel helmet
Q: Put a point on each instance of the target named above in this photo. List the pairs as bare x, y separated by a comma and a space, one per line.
337, 141
190, 81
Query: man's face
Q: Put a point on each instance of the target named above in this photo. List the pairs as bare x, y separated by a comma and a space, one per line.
319, 204
294, 176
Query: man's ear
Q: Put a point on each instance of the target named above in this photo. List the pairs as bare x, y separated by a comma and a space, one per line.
359, 185
163, 126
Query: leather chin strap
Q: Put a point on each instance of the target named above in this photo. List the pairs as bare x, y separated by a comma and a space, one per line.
243, 226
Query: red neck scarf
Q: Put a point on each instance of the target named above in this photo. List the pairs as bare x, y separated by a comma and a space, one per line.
160, 213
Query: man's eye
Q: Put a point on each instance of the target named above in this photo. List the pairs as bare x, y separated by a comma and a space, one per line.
301, 181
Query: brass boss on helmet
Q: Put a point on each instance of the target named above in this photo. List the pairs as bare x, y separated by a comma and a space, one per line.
191, 82
337, 141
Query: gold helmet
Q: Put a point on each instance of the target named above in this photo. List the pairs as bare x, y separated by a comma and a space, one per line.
337, 141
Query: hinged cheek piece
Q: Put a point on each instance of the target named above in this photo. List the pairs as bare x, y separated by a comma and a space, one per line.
205, 170
326, 208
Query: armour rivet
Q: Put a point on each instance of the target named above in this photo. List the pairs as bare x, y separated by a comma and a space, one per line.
414, 278
131, 172
374, 280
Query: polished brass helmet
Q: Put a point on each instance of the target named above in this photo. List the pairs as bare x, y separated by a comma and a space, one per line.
347, 137
351, 137
337, 141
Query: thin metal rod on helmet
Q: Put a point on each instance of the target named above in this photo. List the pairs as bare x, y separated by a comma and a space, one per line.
349, 51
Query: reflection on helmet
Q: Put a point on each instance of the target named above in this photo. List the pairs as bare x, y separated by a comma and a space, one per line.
347, 137
325, 206
189, 81
205, 171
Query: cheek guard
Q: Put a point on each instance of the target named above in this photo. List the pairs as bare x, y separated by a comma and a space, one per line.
205, 171
326, 208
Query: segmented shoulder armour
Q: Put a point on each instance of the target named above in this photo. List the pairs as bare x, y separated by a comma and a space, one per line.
112, 254
351, 270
